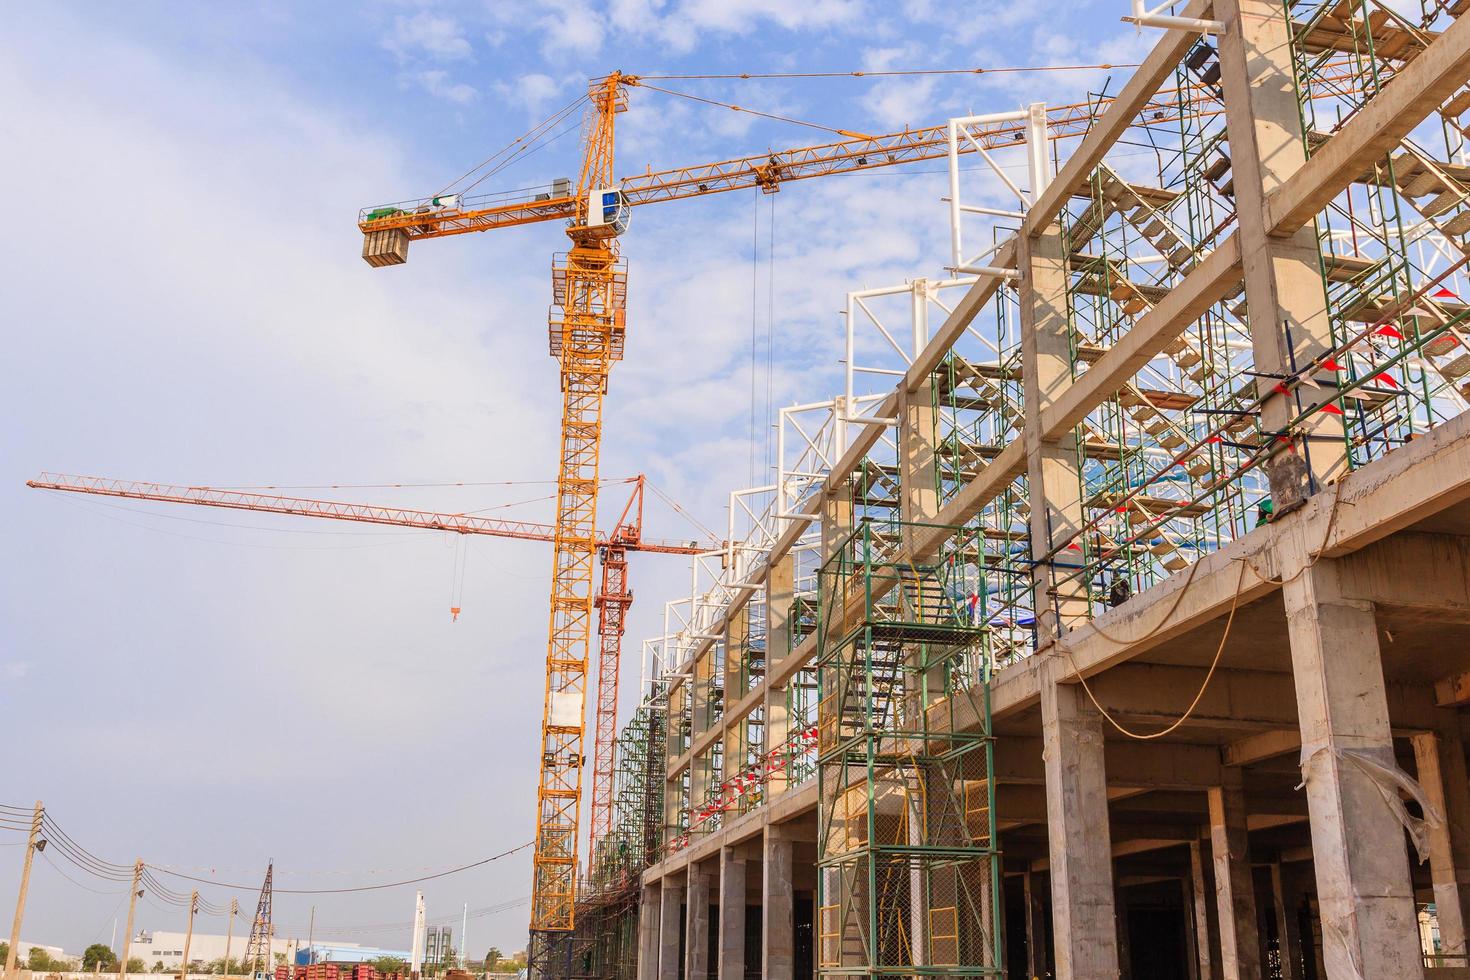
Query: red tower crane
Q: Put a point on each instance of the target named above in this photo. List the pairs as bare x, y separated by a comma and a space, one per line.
612, 601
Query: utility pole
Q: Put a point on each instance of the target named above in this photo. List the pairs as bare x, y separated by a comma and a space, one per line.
133, 895
310, 933
189, 934
32, 846
464, 945
230, 935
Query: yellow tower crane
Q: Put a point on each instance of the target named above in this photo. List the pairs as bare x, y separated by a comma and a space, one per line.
589, 289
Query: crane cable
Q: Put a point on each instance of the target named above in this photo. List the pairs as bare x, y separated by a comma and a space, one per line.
456, 575
515, 145
754, 112
680, 510
755, 278
891, 73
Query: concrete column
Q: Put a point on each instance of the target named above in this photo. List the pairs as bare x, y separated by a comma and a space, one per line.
1235, 894
779, 584
1204, 945
696, 926
1440, 759
1286, 299
673, 784
779, 588
836, 519
701, 772
1358, 847
732, 915
671, 904
1051, 465
778, 914
1078, 839
917, 466
1288, 943
648, 931
737, 630
1035, 956
1191, 933
703, 677
701, 767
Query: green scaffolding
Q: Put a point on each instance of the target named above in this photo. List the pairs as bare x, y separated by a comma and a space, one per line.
908, 867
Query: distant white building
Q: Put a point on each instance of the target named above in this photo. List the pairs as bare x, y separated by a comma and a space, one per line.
168, 947
23, 950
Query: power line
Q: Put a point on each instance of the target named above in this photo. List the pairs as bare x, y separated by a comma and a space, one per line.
95, 891
64, 845
359, 888
477, 913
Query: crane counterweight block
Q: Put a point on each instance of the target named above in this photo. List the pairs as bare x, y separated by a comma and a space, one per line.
386, 247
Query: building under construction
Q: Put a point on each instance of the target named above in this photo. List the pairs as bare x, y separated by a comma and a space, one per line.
1127, 633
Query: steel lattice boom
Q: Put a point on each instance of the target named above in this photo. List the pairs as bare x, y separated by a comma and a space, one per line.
338, 510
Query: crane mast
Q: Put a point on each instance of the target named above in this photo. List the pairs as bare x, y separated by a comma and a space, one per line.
612, 602
589, 290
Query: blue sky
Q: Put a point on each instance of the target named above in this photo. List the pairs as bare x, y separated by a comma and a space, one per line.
184, 302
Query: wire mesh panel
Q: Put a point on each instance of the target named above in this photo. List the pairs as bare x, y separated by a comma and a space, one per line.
908, 873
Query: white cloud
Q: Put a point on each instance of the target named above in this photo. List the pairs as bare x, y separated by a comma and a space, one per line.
570, 27
897, 102
436, 82
745, 17
428, 35
581, 28
531, 92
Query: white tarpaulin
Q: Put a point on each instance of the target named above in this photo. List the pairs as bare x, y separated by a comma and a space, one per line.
566, 709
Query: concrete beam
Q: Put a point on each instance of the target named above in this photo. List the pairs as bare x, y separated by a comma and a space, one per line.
1452, 691
1377, 128
1204, 286
1130, 764
1409, 485
1261, 746
1153, 617
1391, 572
